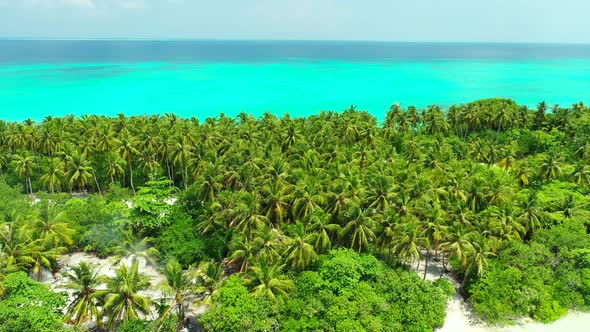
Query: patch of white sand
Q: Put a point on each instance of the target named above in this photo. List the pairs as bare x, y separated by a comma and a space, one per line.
107, 267
461, 319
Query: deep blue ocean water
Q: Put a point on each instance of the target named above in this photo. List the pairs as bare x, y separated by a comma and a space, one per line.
205, 78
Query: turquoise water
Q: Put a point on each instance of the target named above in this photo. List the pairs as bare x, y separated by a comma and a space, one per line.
300, 86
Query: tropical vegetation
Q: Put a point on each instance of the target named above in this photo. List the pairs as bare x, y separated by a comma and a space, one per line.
302, 223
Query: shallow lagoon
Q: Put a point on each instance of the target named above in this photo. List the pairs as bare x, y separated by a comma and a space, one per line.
203, 79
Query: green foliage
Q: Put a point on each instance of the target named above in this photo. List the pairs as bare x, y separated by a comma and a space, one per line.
445, 285
540, 279
498, 295
135, 325
30, 306
195, 247
352, 291
343, 269
11, 202
99, 223
151, 211
496, 191
117, 193
348, 292
236, 309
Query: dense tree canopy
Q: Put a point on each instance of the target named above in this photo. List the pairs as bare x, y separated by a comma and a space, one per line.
486, 188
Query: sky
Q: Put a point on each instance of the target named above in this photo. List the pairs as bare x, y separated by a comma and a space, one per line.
410, 20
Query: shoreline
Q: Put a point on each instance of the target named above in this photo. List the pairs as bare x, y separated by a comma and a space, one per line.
459, 316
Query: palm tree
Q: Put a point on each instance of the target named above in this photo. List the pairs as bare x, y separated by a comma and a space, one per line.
181, 154
300, 252
504, 224
17, 248
80, 171
51, 226
149, 162
127, 149
530, 214
307, 199
210, 278
507, 163
381, 192
388, 233
478, 257
581, 175
539, 120
134, 247
457, 243
432, 233
54, 174
503, 118
122, 301
106, 139
498, 191
24, 166
49, 140
179, 287
42, 257
114, 165
247, 218
550, 167
271, 243
242, 250
278, 198
359, 229
323, 228
84, 281
207, 184
407, 247
568, 206
267, 280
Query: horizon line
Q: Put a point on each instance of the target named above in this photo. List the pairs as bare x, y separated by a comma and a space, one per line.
289, 40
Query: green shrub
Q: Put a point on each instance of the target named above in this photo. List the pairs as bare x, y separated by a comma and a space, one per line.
28, 305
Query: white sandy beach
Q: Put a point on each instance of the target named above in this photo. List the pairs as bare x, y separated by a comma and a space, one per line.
460, 318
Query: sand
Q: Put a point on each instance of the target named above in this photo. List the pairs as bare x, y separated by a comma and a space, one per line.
107, 267
461, 319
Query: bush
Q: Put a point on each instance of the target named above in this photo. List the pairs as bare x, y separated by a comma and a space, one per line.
28, 305
541, 279
135, 325
352, 292
195, 248
99, 224
235, 309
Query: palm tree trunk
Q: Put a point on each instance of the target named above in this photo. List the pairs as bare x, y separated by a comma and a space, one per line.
131, 176
180, 311
168, 169
425, 265
97, 185
465, 279
172, 172
442, 270
30, 185
389, 257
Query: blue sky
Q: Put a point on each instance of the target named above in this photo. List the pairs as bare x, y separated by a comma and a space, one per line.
410, 20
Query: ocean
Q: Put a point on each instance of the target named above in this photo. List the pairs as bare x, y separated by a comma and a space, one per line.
206, 78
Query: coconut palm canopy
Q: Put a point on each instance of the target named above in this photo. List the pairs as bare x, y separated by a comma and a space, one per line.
269, 198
